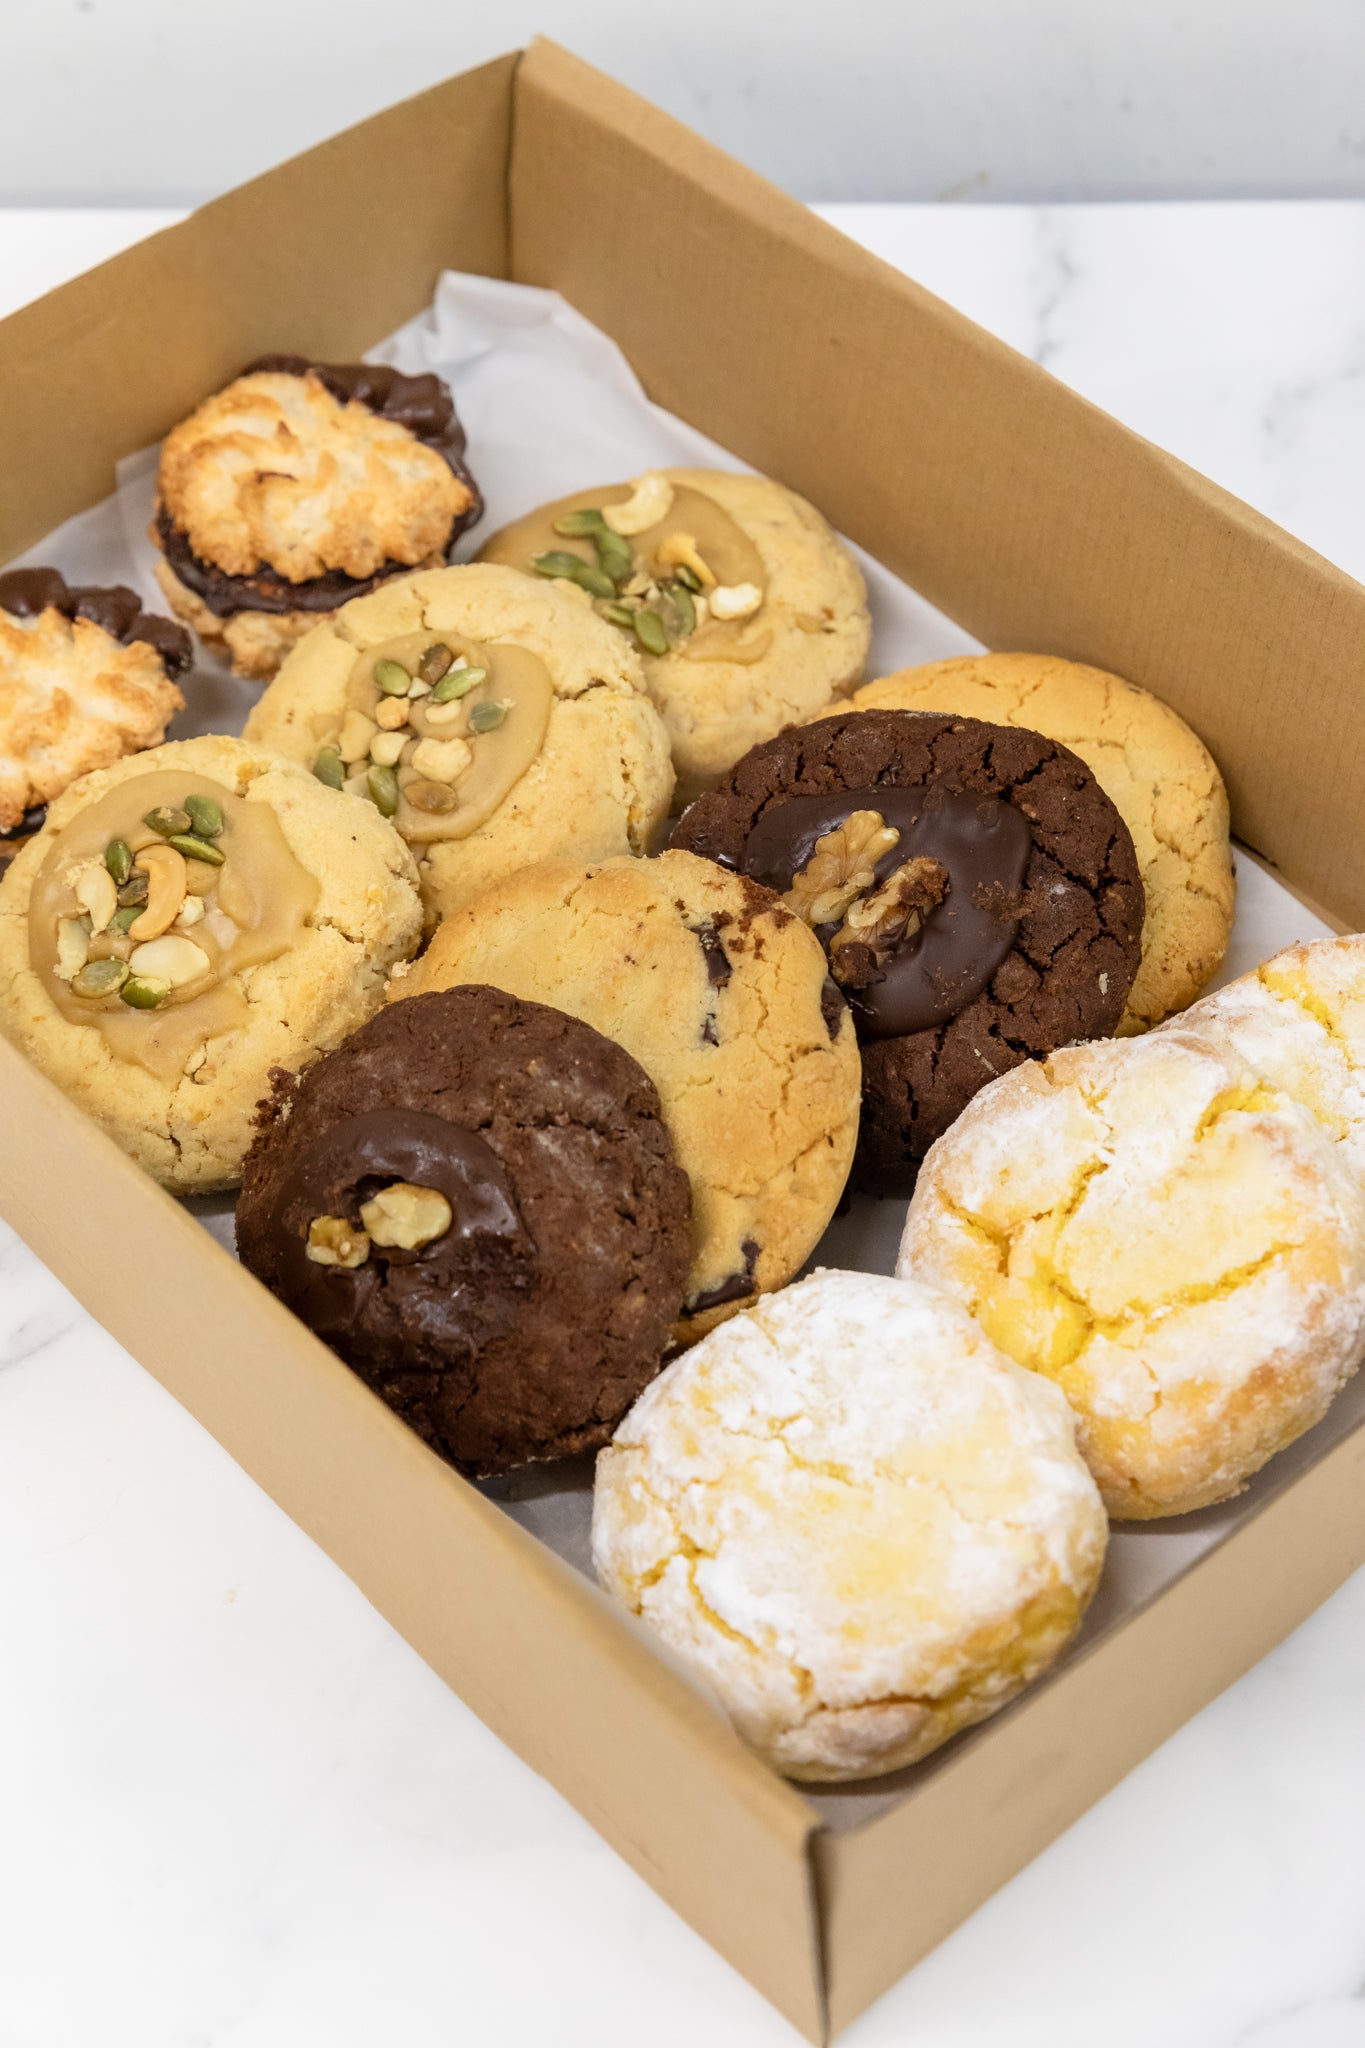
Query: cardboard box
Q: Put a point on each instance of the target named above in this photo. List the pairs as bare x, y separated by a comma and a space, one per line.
1029, 517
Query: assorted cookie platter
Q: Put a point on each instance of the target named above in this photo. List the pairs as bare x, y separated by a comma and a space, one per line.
572, 930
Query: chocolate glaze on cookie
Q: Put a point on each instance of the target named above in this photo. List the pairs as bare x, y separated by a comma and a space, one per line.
422, 404
529, 1326
1035, 942
983, 844
116, 609
353, 1159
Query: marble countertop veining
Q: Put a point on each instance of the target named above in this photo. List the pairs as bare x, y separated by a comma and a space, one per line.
236, 1811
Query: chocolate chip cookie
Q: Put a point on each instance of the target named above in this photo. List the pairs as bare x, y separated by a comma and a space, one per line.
475, 1202
298, 487
977, 894
724, 999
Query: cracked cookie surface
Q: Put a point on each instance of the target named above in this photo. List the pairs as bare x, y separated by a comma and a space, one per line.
805, 645
724, 1000
1077, 915
1167, 1236
602, 781
856, 1518
1155, 770
525, 1329
1299, 1020
192, 1131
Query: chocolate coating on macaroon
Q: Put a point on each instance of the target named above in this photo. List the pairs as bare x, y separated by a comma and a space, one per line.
526, 1329
114, 608
1056, 952
422, 404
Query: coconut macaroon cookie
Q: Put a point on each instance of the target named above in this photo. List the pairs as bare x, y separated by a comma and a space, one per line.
86, 676
1299, 1020
301, 485
490, 715
1158, 774
856, 1518
186, 921
723, 998
1167, 1236
748, 610
975, 889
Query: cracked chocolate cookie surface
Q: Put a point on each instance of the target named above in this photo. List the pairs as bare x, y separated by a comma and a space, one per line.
723, 998
475, 1202
1002, 919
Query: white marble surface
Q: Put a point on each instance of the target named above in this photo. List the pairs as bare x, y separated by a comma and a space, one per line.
237, 1812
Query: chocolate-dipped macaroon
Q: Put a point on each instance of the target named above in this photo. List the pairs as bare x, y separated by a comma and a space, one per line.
299, 486
86, 676
475, 1202
977, 894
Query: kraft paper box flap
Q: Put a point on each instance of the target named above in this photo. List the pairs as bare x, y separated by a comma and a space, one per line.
536, 1651
912, 428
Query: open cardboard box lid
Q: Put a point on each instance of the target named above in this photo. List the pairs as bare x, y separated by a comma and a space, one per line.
1029, 517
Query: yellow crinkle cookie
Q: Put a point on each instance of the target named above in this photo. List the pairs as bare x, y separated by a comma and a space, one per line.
1299, 1021
854, 1517
1167, 1236
262, 954
576, 766
723, 997
1158, 774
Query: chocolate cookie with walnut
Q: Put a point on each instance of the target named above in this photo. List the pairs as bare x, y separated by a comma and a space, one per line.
976, 891
474, 1201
